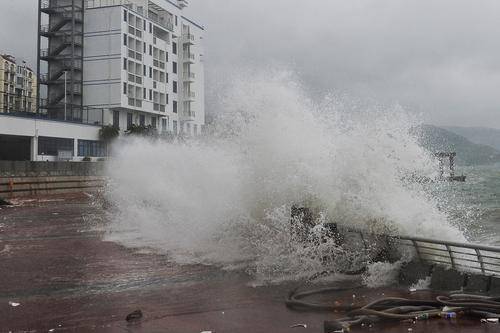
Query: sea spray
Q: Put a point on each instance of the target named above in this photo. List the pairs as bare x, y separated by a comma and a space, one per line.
225, 198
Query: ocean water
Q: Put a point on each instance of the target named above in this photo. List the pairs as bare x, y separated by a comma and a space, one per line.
475, 204
224, 199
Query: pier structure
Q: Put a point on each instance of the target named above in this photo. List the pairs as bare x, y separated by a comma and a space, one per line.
448, 158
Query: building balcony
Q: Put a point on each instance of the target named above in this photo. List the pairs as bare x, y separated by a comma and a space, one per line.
188, 57
182, 3
189, 77
169, 25
189, 96
189, 115
188, 38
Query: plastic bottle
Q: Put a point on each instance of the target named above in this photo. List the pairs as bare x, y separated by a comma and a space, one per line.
449, 315
422, 316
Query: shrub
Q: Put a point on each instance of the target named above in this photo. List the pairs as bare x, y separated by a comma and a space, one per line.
109, 133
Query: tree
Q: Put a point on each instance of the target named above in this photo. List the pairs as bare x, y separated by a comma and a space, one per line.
108, 133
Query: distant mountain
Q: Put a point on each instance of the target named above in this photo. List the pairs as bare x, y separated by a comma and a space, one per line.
436, 139
479, 135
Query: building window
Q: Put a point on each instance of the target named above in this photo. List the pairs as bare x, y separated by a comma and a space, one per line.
153, 122
150, 50
175, 20
174, 67
150, 28
174, 106
116, 119
52, 146
142, 120
125, 15
144, 25
150, 72
144, 47
150, 94
164, 125
129, 120
91, 148
125, 39
125, 63
174, 47
167, 99
174, 126
144, 71
174, 86
124, 88
144, 93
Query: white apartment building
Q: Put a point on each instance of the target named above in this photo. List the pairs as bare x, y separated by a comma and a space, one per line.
110, 62
143, 61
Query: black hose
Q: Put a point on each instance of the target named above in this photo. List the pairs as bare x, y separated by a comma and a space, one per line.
396, 308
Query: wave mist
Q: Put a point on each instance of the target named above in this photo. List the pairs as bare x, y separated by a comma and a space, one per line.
225, 198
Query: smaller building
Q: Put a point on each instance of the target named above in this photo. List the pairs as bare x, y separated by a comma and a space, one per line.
18, 86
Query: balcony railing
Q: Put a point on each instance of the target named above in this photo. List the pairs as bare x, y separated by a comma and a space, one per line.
167, 24
189, 95
107, 3
189, 76
188, 56
188, 38
189, 114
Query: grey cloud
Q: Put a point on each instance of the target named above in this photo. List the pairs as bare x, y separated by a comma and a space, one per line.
440, 57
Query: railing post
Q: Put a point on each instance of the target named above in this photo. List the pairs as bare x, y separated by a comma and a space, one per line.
451, 256
415, 244
481, 262
363, 240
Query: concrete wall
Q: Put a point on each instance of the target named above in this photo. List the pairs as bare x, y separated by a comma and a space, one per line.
50, 169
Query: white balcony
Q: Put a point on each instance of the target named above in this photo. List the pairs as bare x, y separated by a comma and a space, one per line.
182, 3
189, 57
189, 77
188, 38
189, 115
189, 96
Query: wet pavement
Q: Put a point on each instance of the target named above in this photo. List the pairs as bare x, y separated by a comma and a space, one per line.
59, 275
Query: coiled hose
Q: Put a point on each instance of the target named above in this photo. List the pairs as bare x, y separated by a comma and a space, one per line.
394, 308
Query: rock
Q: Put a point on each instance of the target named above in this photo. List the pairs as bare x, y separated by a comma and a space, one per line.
134, 316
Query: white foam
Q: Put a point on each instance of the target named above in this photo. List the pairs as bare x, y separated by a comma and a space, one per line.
226, 199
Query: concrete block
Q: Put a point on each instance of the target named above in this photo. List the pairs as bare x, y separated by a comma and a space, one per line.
447, 279
477, 283
413, 271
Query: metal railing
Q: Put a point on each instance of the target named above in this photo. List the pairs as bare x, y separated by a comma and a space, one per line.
470, 257
188, 38
189, 76
467, 257
189, 114
167, 24
188, 56
106, 3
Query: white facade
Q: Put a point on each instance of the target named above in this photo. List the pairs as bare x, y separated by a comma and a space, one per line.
143, 63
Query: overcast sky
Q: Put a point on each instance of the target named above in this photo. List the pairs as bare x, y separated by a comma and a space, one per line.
439, 57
